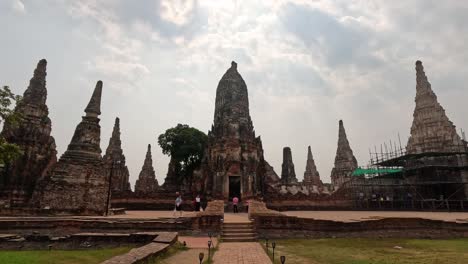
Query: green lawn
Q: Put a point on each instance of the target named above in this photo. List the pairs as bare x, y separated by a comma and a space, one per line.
60, 256
367, 251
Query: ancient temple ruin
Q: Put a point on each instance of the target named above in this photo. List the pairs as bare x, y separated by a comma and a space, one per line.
233, 164
431, 131
311, 175
79, 182
114, 160
147, 182
345, 162
432, 172
32, 135
288, 174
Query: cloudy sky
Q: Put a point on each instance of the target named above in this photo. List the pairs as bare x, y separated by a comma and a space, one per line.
307, 64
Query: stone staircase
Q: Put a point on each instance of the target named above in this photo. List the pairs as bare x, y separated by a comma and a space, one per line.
239, 232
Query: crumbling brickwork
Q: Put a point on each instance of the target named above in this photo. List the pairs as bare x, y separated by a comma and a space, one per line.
78, 183
32, 135
147, 182
345, 162
114, 160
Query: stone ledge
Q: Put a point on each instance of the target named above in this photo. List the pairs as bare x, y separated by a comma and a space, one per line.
166, 238
214, 208
257, 208
139, 255
147, 252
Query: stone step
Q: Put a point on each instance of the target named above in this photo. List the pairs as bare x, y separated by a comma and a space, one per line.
240, 239
238, 226
238, 231
239, 235
238, 223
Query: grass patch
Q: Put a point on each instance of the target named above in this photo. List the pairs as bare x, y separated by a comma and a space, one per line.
60, 256
174, 249
367, 251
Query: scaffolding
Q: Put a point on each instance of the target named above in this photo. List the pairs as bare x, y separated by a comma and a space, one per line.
397, 180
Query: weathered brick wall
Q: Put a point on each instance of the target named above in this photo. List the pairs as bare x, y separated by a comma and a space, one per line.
210, 219
282, 226
306, 204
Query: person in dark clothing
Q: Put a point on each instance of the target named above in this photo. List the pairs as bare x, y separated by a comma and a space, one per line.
197, 203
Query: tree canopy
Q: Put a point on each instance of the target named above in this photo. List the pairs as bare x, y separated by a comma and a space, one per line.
185, 145
8, 151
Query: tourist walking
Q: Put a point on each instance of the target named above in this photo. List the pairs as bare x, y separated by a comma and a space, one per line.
197, 203
178, 205
235, 201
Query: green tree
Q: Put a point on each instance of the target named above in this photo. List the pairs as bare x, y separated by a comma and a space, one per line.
185, 145
8, 151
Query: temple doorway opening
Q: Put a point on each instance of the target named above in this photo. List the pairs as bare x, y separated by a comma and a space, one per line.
234, 187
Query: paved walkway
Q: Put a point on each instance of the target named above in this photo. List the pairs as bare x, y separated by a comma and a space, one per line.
241, 253
353, 216
196, 245
198, 242
185, 257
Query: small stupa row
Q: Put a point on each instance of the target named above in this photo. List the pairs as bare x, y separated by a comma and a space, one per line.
344, 166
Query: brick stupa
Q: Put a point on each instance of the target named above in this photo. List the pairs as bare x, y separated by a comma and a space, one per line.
79, 183
431, 131
32, 135
147, 182
311, 175
345, 162
288, 173
114, 160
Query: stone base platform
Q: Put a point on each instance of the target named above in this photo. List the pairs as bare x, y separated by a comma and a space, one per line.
358, 216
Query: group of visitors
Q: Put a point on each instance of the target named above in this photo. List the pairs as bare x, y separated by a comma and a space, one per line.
198, 204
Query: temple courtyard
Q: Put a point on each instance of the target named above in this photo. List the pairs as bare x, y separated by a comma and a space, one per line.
137, 153
340, 216
366, 246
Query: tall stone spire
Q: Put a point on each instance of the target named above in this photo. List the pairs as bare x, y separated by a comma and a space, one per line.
311, 175
79, 182
37, 93
233, 163
345, 162
288, 174
432, 131
86, 139
32, 135
114, 160
147, 182
232, 118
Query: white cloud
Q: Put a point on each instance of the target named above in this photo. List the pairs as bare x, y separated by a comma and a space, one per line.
307, 64
18, 6
177, 11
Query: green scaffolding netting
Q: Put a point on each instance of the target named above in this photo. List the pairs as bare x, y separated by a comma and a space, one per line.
361, 171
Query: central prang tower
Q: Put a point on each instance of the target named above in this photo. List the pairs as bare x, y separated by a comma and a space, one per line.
233, 164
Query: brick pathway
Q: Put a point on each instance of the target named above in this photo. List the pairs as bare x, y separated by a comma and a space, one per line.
241, 252
195, 245
185, 257
198, 242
